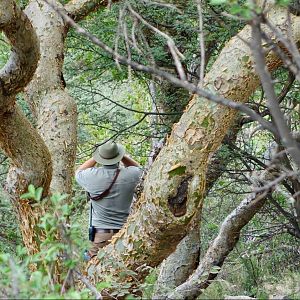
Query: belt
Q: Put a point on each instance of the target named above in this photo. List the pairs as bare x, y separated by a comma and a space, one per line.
100, 230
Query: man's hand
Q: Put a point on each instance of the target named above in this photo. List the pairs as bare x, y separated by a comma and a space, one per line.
127, 161
86, 165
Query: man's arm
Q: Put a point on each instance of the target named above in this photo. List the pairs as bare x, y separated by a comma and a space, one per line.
88, 164
128, 161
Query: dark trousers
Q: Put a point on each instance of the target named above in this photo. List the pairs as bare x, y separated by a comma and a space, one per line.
100, 241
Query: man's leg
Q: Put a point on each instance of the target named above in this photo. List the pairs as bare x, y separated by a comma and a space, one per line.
100, 241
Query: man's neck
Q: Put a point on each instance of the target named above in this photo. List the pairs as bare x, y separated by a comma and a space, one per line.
115, 166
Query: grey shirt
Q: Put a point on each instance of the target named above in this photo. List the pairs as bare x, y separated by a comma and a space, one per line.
112, 211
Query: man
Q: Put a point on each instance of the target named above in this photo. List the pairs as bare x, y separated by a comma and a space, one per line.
111, 211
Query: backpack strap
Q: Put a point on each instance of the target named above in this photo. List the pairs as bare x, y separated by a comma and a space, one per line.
106, 192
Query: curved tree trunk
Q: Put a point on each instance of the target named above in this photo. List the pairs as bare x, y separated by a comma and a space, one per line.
30, 158
55, 110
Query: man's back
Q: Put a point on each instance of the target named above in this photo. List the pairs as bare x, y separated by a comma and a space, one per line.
111, 211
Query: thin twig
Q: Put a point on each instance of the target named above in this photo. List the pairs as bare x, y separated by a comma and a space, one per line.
130, 109
162, 4
89, 285
202, 45
268, 185
127, 44
176, 54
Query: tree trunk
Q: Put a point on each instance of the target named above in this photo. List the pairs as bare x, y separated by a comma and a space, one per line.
186, 255
31, 161
55, 110
223, 244
51, 105
180, 264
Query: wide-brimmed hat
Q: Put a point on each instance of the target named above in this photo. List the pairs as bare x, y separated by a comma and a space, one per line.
109, 153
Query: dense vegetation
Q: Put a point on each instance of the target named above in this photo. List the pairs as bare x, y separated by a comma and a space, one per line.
115, 101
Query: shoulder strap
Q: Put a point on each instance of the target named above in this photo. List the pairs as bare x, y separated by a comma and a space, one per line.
91, 212
106, 192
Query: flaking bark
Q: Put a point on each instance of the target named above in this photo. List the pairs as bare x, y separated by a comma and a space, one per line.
55, 110
185, 258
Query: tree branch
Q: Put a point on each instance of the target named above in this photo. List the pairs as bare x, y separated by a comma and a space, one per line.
222, 245
79, 9
285, 135
20, 67
176, 81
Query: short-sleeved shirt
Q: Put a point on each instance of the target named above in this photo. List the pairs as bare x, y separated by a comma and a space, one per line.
112, 211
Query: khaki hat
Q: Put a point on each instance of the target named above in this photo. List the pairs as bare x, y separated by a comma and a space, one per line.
109, 153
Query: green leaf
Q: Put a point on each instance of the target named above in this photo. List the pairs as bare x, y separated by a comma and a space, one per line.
215, 270
31, 189
245, 58
205, 123
38, 194
217, 2
103, 285
26, 196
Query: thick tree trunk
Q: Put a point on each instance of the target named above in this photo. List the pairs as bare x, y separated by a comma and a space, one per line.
31, 161
29, 165
180, 264
54, 109
175, 186
186, 255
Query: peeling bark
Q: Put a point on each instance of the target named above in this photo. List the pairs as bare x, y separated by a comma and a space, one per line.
55, 110
186, 255
31, 163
